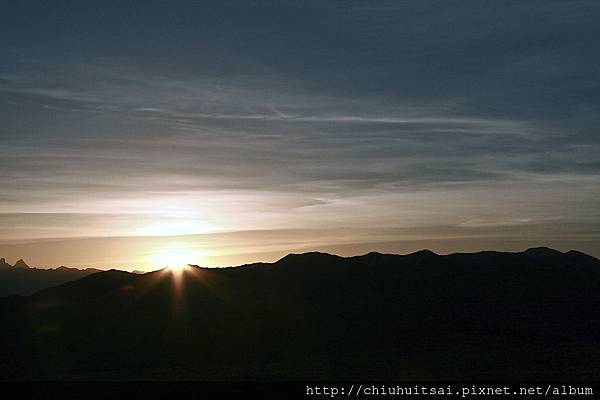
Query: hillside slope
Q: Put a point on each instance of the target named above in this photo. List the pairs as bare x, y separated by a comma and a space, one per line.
487, 315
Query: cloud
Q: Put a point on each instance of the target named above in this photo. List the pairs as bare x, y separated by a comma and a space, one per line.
389, 115
238, 143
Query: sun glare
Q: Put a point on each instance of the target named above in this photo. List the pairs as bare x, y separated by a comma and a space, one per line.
175, 258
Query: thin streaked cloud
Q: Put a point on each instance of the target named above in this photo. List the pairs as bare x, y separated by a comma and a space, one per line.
458, 115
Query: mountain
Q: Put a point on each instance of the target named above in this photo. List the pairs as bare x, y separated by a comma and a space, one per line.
137, 271
4, 264
21, 279
21, 265
533, 315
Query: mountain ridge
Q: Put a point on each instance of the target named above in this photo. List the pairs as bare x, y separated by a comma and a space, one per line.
8, 287
534, 315
21, 279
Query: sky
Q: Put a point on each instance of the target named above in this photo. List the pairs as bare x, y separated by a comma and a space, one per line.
133, 133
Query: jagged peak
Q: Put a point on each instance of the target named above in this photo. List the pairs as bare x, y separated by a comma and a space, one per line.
21, 264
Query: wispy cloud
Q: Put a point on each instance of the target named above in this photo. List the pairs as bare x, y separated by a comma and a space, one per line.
464, 117
268, 156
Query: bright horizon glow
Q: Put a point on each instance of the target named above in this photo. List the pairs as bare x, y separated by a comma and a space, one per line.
176, 267
174, 256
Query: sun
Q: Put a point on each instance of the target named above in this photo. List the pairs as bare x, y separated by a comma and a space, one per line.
174, 258
177, 265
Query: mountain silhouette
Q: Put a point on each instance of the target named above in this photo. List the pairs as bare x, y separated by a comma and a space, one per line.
20, 264
533, 315
21, 279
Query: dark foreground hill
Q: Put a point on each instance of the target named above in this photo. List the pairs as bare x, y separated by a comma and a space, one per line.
314, 316
21, 279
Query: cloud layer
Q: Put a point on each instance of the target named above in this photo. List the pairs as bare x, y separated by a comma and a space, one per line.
371, 119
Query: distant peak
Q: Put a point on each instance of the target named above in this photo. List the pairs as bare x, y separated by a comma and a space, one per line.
424, 252
542, 250
21, 264
372, 254
3, 263
305, 256
580, 255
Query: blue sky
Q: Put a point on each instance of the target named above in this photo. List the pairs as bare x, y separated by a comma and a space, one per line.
339, 126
